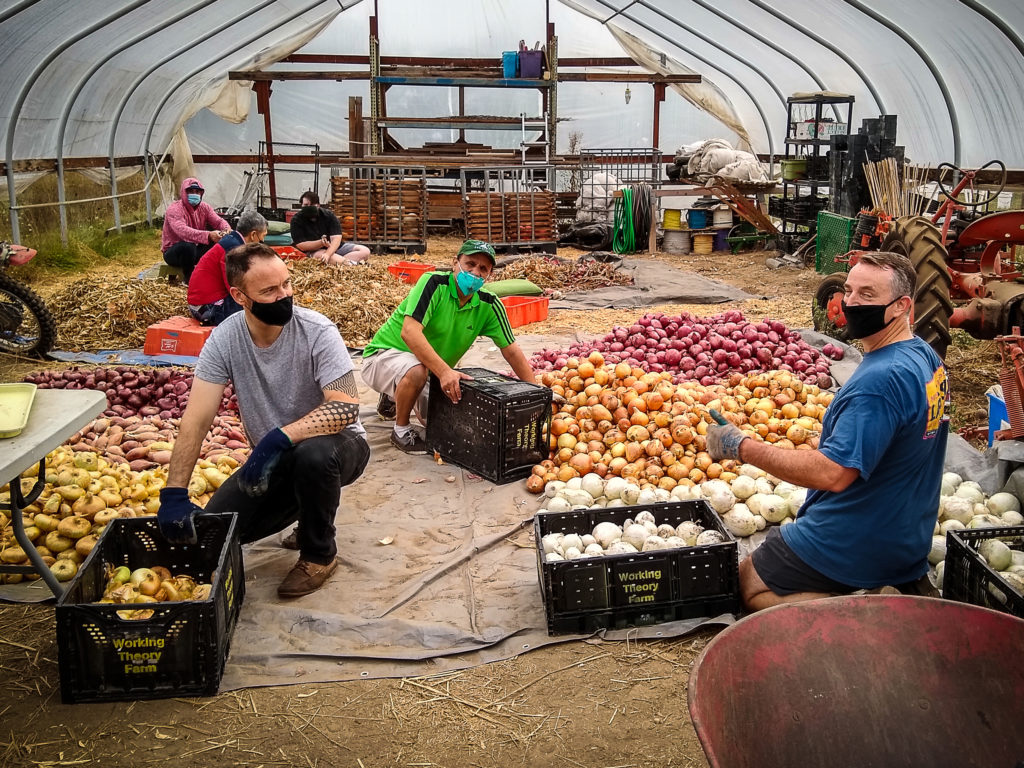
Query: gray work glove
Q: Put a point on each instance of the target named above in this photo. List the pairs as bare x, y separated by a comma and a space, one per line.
723, 440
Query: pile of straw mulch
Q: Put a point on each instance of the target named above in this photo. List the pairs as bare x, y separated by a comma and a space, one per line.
565, 276
112, 313
358, 299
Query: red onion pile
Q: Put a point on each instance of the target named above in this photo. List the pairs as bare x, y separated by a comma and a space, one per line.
132, 391
703, 349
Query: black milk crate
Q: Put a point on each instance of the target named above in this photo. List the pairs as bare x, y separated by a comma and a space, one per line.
967, 578
636, 589
498, 429
181, 649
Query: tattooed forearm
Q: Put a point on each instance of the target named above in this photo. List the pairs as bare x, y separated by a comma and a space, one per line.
327, 419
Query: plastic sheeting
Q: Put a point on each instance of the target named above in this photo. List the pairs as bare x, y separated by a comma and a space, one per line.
950, 69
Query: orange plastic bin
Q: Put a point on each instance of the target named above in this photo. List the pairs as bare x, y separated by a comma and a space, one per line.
522, 310
176, 336
409, 271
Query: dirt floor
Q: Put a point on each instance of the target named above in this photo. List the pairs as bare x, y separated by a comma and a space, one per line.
577, 704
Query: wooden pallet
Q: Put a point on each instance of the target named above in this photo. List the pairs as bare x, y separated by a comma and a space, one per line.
388, 210
530, 216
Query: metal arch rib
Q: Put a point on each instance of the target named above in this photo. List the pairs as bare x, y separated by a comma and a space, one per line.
826, 44
27, 86
15, 9
70, 103
737, 81
247, 41
227, 24
771, 44
950, 107
719, 46
998, 23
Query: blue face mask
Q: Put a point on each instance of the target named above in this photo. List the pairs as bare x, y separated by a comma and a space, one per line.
193, 198
468, 282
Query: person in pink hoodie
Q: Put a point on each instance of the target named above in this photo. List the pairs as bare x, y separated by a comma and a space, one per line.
191, 227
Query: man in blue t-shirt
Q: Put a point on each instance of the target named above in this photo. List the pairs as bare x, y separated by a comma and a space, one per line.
875, 477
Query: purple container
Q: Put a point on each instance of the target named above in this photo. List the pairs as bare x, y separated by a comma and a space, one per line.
531, 63
721, 243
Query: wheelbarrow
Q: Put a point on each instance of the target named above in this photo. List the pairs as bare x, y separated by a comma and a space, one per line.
865, 681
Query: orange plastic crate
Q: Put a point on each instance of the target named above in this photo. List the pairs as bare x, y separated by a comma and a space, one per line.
176, 336
522, 310
288, 252
409, 271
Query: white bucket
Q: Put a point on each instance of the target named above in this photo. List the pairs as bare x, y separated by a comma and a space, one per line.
676, 241
722, 217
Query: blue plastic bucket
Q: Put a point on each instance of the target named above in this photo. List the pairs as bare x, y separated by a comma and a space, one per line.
509, 61
697, 218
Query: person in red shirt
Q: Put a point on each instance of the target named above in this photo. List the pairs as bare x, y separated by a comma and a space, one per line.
209, 299
191, 227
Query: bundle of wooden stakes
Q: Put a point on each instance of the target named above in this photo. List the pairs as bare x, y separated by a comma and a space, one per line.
898, 194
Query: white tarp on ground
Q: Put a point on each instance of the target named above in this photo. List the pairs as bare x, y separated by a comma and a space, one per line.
456, 587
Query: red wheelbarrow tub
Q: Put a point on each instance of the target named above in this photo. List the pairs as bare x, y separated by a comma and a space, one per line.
863, 680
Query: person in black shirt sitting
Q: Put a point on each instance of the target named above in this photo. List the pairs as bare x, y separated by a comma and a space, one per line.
317, 233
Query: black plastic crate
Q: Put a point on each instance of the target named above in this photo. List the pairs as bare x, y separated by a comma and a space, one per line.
967, 578
637, 589
181, 649
498, 429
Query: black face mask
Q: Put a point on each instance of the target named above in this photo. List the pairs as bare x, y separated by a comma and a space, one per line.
863, 320
272, 312
309, 210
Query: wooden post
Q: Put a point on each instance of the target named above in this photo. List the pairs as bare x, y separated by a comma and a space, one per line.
356, 136
262, 88
659, 96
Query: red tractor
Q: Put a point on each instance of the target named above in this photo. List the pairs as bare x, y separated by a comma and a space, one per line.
971, 259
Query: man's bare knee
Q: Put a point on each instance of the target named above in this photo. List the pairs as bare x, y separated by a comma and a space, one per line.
417, 375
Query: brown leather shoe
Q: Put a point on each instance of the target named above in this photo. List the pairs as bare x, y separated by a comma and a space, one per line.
305, 577
291, 541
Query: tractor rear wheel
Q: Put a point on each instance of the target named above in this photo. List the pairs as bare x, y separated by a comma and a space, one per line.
826, 312
918, 239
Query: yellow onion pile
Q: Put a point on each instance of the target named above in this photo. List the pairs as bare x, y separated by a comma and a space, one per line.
83, 492
148, 585
618, 420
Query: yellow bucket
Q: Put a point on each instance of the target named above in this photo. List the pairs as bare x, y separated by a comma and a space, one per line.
671, 219
703, 244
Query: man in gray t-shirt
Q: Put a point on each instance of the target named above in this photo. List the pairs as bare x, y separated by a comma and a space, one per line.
300, 409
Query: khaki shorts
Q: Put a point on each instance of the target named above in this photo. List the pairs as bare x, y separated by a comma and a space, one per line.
383, 370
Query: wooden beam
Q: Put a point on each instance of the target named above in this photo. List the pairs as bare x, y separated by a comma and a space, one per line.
263, 108
417, 75
434, 61
356, 141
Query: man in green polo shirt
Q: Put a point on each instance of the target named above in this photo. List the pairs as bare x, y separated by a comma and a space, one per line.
429, 332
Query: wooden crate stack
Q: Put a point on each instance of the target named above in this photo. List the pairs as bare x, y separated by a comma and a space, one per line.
403, 203
530, 216
485, 217
380, 210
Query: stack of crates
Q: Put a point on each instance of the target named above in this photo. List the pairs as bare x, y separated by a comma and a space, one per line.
498, 429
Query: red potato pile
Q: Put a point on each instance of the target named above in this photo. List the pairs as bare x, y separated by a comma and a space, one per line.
620, 420
703, 349
159, 392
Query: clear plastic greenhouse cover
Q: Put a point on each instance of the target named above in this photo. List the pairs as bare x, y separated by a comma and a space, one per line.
124, 77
